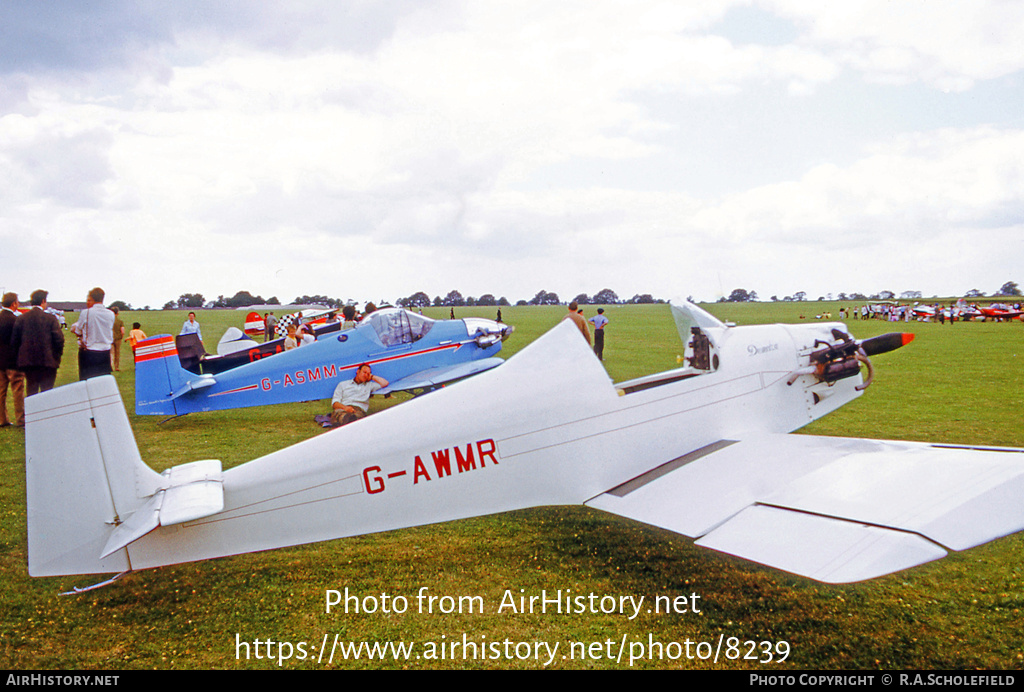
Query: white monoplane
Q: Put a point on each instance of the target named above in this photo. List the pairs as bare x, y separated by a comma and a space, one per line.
701, 450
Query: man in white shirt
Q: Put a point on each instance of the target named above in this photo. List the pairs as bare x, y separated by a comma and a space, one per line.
351, 399
95, 330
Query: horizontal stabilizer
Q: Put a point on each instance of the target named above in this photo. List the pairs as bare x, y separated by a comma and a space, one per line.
833, 509
189, 492
433, 377
195, 383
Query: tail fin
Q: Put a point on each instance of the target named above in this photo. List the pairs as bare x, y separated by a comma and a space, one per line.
254, 324
687, 315
159, 377
83, 475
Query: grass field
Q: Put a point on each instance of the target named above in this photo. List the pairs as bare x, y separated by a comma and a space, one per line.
961, 383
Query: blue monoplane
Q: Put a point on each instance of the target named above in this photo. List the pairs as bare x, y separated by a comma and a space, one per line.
411, 351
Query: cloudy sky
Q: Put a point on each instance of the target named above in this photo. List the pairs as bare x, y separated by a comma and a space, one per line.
369, 150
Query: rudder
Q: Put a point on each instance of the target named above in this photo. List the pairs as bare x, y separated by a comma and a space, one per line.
84, 475
158, 374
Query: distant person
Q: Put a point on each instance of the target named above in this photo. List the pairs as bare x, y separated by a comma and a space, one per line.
191, 326
451, 313
269, 327
95, 330
351, 400
499, 315
39, 342
599, 321
115, 346
136, 335
11, 378
578, 320
348, 315
304, 335
290, 341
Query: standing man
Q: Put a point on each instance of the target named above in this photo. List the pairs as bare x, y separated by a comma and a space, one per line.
270, 327
599, 321
115, 348
578, 320
95, 330
10, 377
39, 342
351, 399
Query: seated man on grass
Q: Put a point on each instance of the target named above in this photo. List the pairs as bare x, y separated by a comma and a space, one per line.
351, 399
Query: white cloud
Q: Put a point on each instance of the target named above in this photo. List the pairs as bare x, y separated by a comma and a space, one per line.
491, 147
943, 43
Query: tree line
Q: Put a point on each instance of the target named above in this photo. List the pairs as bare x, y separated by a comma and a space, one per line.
605, 296
741, 295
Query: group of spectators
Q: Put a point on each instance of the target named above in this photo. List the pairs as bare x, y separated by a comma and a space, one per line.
575, 315
32, 347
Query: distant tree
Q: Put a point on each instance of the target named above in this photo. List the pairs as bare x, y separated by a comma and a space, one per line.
886, 295
487, 299
740, 295
800, 295
319, 300
910, 295
520, 303
644, 299
775, 299
582, 299
605, 296
190, 300
545, 298
416, 300
169, 305
242, 299
453, 299
503, 301
1010, 288
120, 305
973, 293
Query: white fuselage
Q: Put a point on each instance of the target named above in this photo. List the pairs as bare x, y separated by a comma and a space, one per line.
546, 428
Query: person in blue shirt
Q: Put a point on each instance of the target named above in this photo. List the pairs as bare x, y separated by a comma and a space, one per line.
191, 326
599, 321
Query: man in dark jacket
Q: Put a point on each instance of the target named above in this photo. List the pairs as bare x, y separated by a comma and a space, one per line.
39, 342
10, 377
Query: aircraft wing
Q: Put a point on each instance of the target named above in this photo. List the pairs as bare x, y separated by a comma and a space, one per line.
436, 376
833, 509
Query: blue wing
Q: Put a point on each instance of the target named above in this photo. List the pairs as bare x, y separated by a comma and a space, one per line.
439, 375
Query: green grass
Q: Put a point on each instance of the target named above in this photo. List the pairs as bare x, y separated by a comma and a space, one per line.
959, 383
